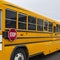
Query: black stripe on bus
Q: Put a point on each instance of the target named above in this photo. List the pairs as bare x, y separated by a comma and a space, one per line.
35, 37
28, 43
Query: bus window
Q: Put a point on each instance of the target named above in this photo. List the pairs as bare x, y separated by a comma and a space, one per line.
0, 20
31, 23
22, 21
40, 25
50, 27
45, 26
57, 28
10, 19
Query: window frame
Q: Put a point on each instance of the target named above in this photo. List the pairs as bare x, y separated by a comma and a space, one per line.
59, 28
31, 23
7, 19
13, 11
51, 27
47, 25
22, 22
57, 31
40, 25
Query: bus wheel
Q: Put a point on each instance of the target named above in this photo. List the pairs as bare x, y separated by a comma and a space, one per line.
20, 54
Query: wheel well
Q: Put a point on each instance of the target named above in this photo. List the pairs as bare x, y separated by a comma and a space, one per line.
20, 47
23, 47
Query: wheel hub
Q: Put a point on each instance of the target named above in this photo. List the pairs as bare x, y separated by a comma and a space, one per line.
19, 56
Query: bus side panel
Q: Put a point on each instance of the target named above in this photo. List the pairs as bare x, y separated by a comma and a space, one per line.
8, 51
34, 48
1, 55
39, 48
46, 47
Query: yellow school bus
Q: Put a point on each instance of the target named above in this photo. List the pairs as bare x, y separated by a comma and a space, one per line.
24, 34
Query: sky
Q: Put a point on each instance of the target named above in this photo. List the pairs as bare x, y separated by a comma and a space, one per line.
50, 8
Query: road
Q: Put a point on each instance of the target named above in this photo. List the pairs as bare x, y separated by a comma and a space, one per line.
54, 56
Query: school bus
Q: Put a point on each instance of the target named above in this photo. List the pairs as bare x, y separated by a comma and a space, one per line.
24, 34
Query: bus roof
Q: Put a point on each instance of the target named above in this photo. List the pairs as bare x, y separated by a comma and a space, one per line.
15, 6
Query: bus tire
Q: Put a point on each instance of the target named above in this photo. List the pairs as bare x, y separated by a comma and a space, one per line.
19, 54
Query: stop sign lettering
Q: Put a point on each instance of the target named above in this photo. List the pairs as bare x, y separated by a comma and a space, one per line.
12, 34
